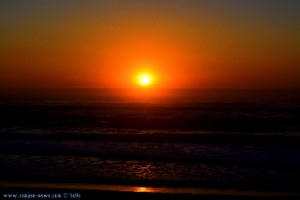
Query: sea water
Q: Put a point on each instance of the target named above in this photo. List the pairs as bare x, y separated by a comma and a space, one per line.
211, 138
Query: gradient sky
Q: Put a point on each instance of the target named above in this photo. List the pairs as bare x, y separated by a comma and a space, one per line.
183, 43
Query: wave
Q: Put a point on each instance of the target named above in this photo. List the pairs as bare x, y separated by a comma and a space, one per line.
219, 116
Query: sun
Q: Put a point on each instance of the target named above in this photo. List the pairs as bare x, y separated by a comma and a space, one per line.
145, 79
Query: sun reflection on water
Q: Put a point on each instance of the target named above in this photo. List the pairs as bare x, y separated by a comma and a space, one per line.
142, 170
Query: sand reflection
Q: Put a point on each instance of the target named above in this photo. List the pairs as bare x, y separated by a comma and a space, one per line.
142, 189
164, 190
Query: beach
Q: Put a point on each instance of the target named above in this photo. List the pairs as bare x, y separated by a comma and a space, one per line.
96, 191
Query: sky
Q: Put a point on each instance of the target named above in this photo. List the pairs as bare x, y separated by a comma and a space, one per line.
181, 43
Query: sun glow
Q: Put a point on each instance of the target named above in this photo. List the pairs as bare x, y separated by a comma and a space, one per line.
145, 80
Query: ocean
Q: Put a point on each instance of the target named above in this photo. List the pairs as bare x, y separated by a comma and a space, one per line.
221, 139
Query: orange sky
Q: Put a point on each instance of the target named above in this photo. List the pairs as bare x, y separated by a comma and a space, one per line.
183, 44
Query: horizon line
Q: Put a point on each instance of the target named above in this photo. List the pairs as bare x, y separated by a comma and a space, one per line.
154, 88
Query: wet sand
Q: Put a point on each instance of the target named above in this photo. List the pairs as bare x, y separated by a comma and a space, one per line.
103, 191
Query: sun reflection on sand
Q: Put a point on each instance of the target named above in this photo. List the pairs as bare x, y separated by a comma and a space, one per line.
165, 190
142, 189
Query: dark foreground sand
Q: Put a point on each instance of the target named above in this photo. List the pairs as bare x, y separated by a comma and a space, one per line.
96, 191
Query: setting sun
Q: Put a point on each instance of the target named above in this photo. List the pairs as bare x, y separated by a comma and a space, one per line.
145, 80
